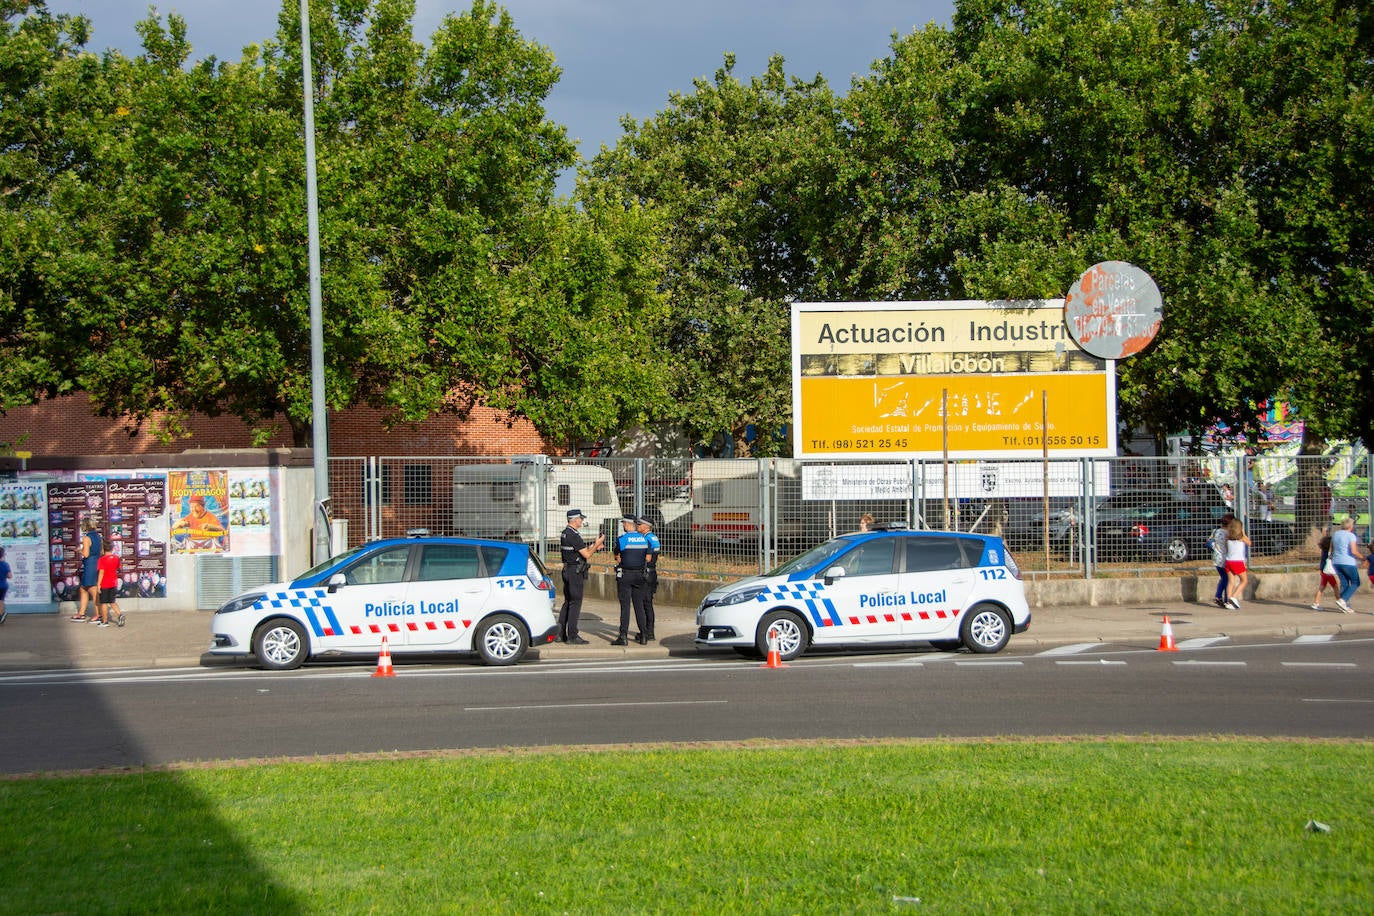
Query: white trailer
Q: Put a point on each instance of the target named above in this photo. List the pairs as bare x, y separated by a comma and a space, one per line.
528, 500
731, 496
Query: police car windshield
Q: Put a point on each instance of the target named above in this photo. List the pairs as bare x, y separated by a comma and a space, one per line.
332, 561
813, 557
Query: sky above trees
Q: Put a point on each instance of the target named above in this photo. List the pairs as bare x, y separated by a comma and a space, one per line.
618, 56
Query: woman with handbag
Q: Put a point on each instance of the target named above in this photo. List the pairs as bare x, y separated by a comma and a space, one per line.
1326, 571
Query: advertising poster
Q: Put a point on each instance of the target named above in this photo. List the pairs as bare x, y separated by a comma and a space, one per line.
68, 506
137, 529
968, 379
23, 535
250, 519
199, 511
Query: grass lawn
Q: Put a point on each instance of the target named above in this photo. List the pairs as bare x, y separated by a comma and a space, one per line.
1123, 826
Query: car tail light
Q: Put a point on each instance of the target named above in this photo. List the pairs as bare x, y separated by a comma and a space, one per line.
1139, 531
1010, 562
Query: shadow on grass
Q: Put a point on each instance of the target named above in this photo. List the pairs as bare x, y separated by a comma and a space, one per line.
126, 840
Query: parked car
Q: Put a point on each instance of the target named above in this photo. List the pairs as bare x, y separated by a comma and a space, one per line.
1183, 532
422, 594
947, 588
1025, 525
1150, 525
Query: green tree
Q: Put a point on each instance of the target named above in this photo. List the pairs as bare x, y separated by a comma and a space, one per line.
184, 280
737, 173
46, 82
1224, 148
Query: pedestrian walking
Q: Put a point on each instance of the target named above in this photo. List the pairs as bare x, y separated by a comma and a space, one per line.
633, 548
91, 543
1218, 543
646, 528
1346, 557
4, 584
577, 555
1237, 552
108, 567
1326, 571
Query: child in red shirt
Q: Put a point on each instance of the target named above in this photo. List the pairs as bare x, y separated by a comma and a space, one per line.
108, 567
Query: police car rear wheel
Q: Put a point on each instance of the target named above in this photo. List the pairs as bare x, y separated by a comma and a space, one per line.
791, 634
280, 645
501, 640
985, 629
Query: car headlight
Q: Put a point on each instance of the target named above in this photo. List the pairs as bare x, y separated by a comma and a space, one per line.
240, 603
743, 595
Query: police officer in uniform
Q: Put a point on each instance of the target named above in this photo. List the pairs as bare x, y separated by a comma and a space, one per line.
646, 528
633, 548
576, 556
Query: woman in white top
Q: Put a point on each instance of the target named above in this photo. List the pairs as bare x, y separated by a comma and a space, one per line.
1237, 549
1346, 557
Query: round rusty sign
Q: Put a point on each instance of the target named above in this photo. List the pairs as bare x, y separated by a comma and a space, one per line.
1113, 310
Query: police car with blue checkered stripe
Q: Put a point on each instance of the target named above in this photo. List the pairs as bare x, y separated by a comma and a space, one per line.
422, 594
950, 589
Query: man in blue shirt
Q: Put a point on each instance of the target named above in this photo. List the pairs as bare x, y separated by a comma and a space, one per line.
633, 549
645, 527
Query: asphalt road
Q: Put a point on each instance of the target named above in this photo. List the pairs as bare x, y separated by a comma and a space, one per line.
1304, 687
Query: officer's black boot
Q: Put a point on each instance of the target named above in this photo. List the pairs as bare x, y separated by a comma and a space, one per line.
620, 640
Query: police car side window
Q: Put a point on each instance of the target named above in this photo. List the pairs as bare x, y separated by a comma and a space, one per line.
449, 561
493, 558
379, 568
933, 554
873, 558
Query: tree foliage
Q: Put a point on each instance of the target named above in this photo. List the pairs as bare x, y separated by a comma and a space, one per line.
1224, 147
182, 281
737, 172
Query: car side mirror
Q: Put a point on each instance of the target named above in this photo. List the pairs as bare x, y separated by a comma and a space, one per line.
833, 573
335, 581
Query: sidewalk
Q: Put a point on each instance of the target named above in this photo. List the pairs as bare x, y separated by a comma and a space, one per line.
168, 639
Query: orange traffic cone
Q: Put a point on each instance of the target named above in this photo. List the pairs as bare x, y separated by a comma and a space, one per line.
384, 668
1166, 638
774, 656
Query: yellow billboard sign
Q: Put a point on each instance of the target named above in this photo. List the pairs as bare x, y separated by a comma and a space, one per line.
972, 379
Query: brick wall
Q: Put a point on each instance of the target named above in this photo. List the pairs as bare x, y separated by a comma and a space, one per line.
66, 426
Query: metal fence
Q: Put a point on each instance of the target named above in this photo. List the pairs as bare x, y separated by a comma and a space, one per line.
731, 517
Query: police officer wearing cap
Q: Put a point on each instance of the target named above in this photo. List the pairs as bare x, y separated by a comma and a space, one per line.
576, 556
633, 548
646, 528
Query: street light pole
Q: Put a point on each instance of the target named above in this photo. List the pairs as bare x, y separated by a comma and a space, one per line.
318, 418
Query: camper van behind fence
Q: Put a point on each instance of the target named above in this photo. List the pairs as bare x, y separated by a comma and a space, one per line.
528, 500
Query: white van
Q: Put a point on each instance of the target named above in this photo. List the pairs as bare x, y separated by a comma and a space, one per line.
528, 500
728, 497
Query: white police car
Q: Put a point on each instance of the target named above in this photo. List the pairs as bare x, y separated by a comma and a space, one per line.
440, 594
890, 586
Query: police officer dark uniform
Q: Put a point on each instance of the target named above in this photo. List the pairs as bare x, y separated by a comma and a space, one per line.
634, 557
576, 554
645, 527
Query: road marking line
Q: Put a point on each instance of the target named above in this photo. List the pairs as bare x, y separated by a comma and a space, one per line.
1319, 664
1337, 700
989, 664
595, 705
900, 663
1098, 663
1201, 642
1198, 661
1315, 637
1071, 650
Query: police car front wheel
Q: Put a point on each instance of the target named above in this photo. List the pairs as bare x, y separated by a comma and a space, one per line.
789, 631
986, 629
280, 645
501, 640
